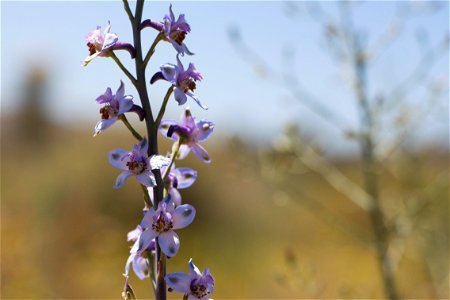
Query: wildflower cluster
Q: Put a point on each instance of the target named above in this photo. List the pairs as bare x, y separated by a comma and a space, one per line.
155, 236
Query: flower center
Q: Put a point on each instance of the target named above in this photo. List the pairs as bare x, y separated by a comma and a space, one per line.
178, 36
92, 48
163, 222
108, 111
137, 167
199, 290
188, 84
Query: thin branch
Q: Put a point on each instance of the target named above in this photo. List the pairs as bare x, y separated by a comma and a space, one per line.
128, 10
123, 68
150, 52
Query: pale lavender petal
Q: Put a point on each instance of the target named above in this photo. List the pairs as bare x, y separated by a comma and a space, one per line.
103, 125
110, 40
141, 267
185, 177
180, 97
179, 282
143, 147
88, 59
106, 97
170, 72
145, 239
193, 270
121, 178
127, 265
193, 72
175, 196
186, 50
120, 91
169, 243
205, 128
146, 179
191, 94
164, 127
187, 120
201, 153
183, 216
116, 158
172, 16
133, 235
179, 48
125, 104
159, 161
182, 24
148, 218
183, 151
192, 297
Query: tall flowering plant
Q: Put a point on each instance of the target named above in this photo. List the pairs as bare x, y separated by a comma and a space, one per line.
155, 238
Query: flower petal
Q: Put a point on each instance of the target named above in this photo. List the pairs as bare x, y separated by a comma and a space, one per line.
175, 196
191, 94
185, 177
201, 153
103, 125
143, 147
125, 104
118, 158
183, 151
183, 215
170, 72
121, 178
148, 218
179, 282
141, 267
120, 91
110, 40
147, 179
193, 270
106, 97
145, 239
133, 235
169, 243
164, 128
180, 97
205, 128
159, 161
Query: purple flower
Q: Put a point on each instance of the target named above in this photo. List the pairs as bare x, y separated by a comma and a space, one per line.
161, 224
137, 163
100, 43
178, 178
138, 260
183, 80
196, 285
189, 132
115, 105
174, 31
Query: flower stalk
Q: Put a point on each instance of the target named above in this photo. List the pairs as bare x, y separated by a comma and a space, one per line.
154, 238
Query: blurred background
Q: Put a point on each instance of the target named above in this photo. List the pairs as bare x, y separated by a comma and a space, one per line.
330, 154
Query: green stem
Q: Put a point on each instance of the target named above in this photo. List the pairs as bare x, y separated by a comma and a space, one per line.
173, 157
122, 67
136, 134
128, 10
148, 202
150, 52
163, 107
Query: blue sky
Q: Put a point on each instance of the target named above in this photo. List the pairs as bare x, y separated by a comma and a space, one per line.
51, 34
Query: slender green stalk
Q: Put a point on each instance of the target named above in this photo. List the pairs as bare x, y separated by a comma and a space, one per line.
123, 68
152, 49
136, 134
173, 157
147, 200
141, 86
128, 10
163, 107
